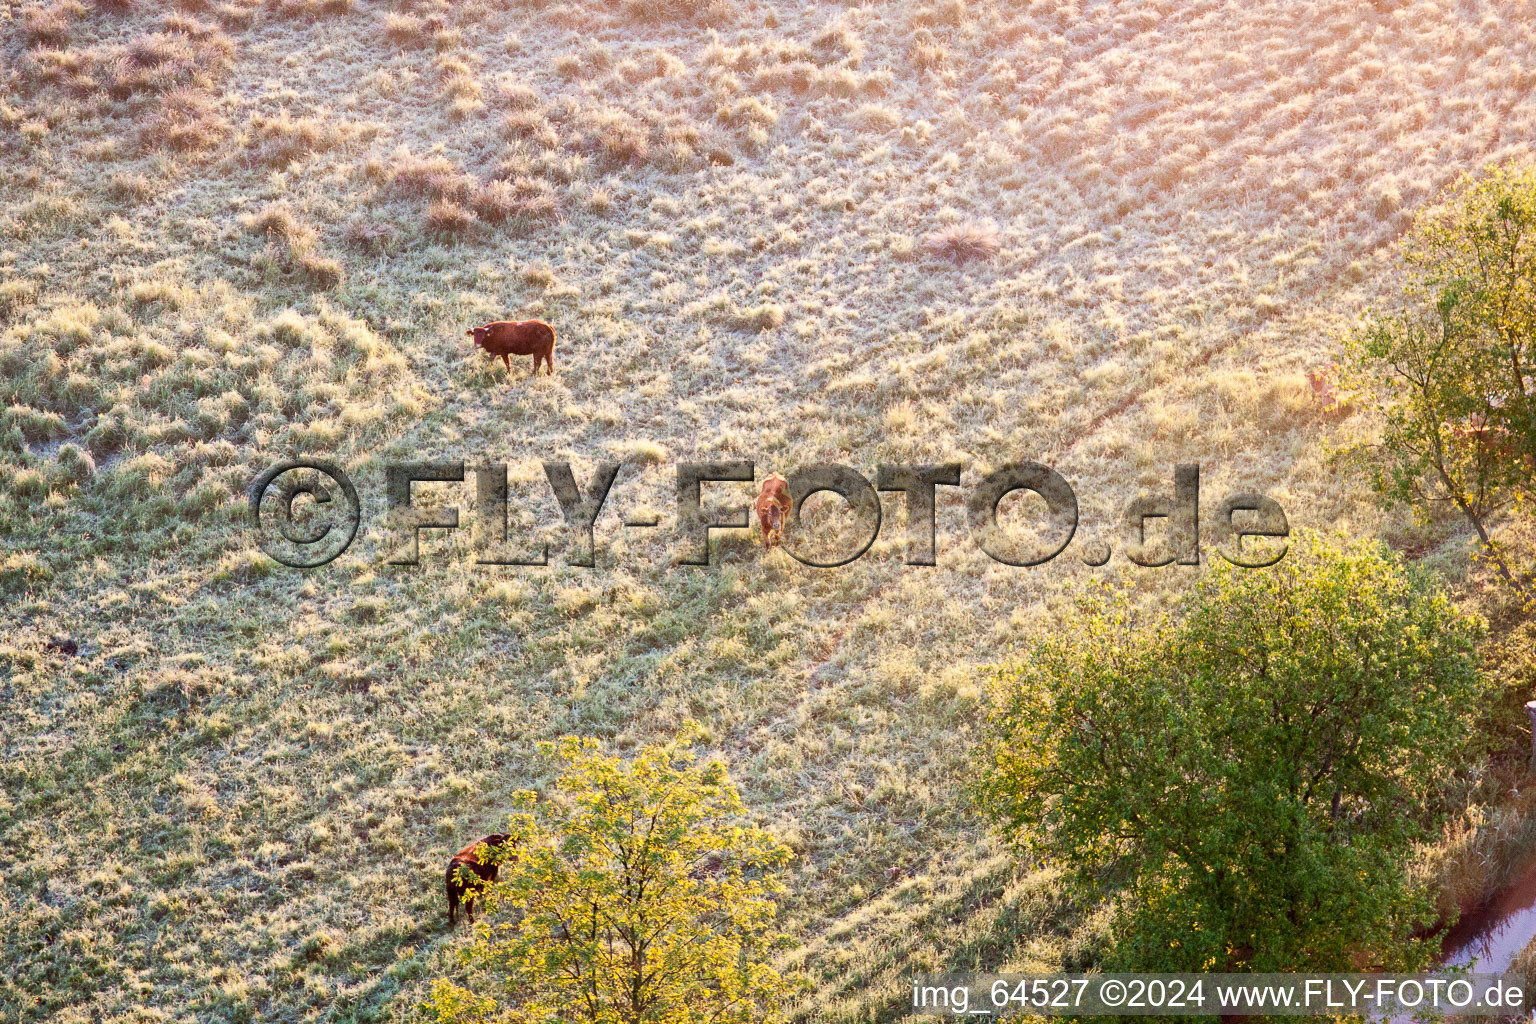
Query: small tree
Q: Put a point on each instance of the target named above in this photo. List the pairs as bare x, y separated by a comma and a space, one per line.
1453, 367
1253, 777
637, 894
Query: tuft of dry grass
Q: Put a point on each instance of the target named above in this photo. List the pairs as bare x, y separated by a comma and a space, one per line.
710, 12
446, 219
300, 244
49, 25
406, 29
961, 243
279, 140
308, 9
188, 120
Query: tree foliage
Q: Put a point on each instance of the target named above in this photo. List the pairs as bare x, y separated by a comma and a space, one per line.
1453, 365
636, 893
1252, 776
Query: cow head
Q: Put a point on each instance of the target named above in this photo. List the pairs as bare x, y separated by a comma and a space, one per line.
478, 333
486, 853
773, 524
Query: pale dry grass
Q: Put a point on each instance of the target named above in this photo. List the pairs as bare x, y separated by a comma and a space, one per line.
728, 230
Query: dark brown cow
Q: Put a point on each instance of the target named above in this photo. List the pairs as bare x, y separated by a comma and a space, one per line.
507, 338
772, 509
470, 870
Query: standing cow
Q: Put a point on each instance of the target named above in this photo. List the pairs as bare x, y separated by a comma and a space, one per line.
772, 509
507, 338
470, 871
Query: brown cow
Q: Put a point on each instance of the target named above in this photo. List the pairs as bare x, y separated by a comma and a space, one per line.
772, 508
477, 859
507, 338
1493, 440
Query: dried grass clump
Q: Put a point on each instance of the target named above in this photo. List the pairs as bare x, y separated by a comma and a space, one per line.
837, 43
309, 9
800, 76
460, 86
446, 218
520, 202
518, 96
16, 295
925, 52
237, 15
178, 23
406, 30
59, 67
127, 187
962, 243
300, 243
622, 141
279, 141
748, 111
430, 177
531, 125
759, 318
372, 237
159, 62
704, 11
319, 271
48, 26
278, 219
188, 120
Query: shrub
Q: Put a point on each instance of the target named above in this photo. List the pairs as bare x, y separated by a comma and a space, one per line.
1451, 368
1258, 772
677, 891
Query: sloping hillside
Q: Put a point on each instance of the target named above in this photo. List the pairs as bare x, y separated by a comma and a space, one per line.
235, 232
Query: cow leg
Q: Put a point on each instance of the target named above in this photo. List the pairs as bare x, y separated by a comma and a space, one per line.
453, 897
549, 361
507, 360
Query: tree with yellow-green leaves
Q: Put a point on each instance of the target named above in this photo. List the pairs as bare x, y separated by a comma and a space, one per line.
1454, 367
1248, 780
636, 893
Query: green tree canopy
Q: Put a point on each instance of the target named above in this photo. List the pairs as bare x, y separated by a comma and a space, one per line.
1253, 775
637, 893
1452, 366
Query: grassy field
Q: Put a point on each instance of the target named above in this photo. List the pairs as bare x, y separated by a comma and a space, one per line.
234, 232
